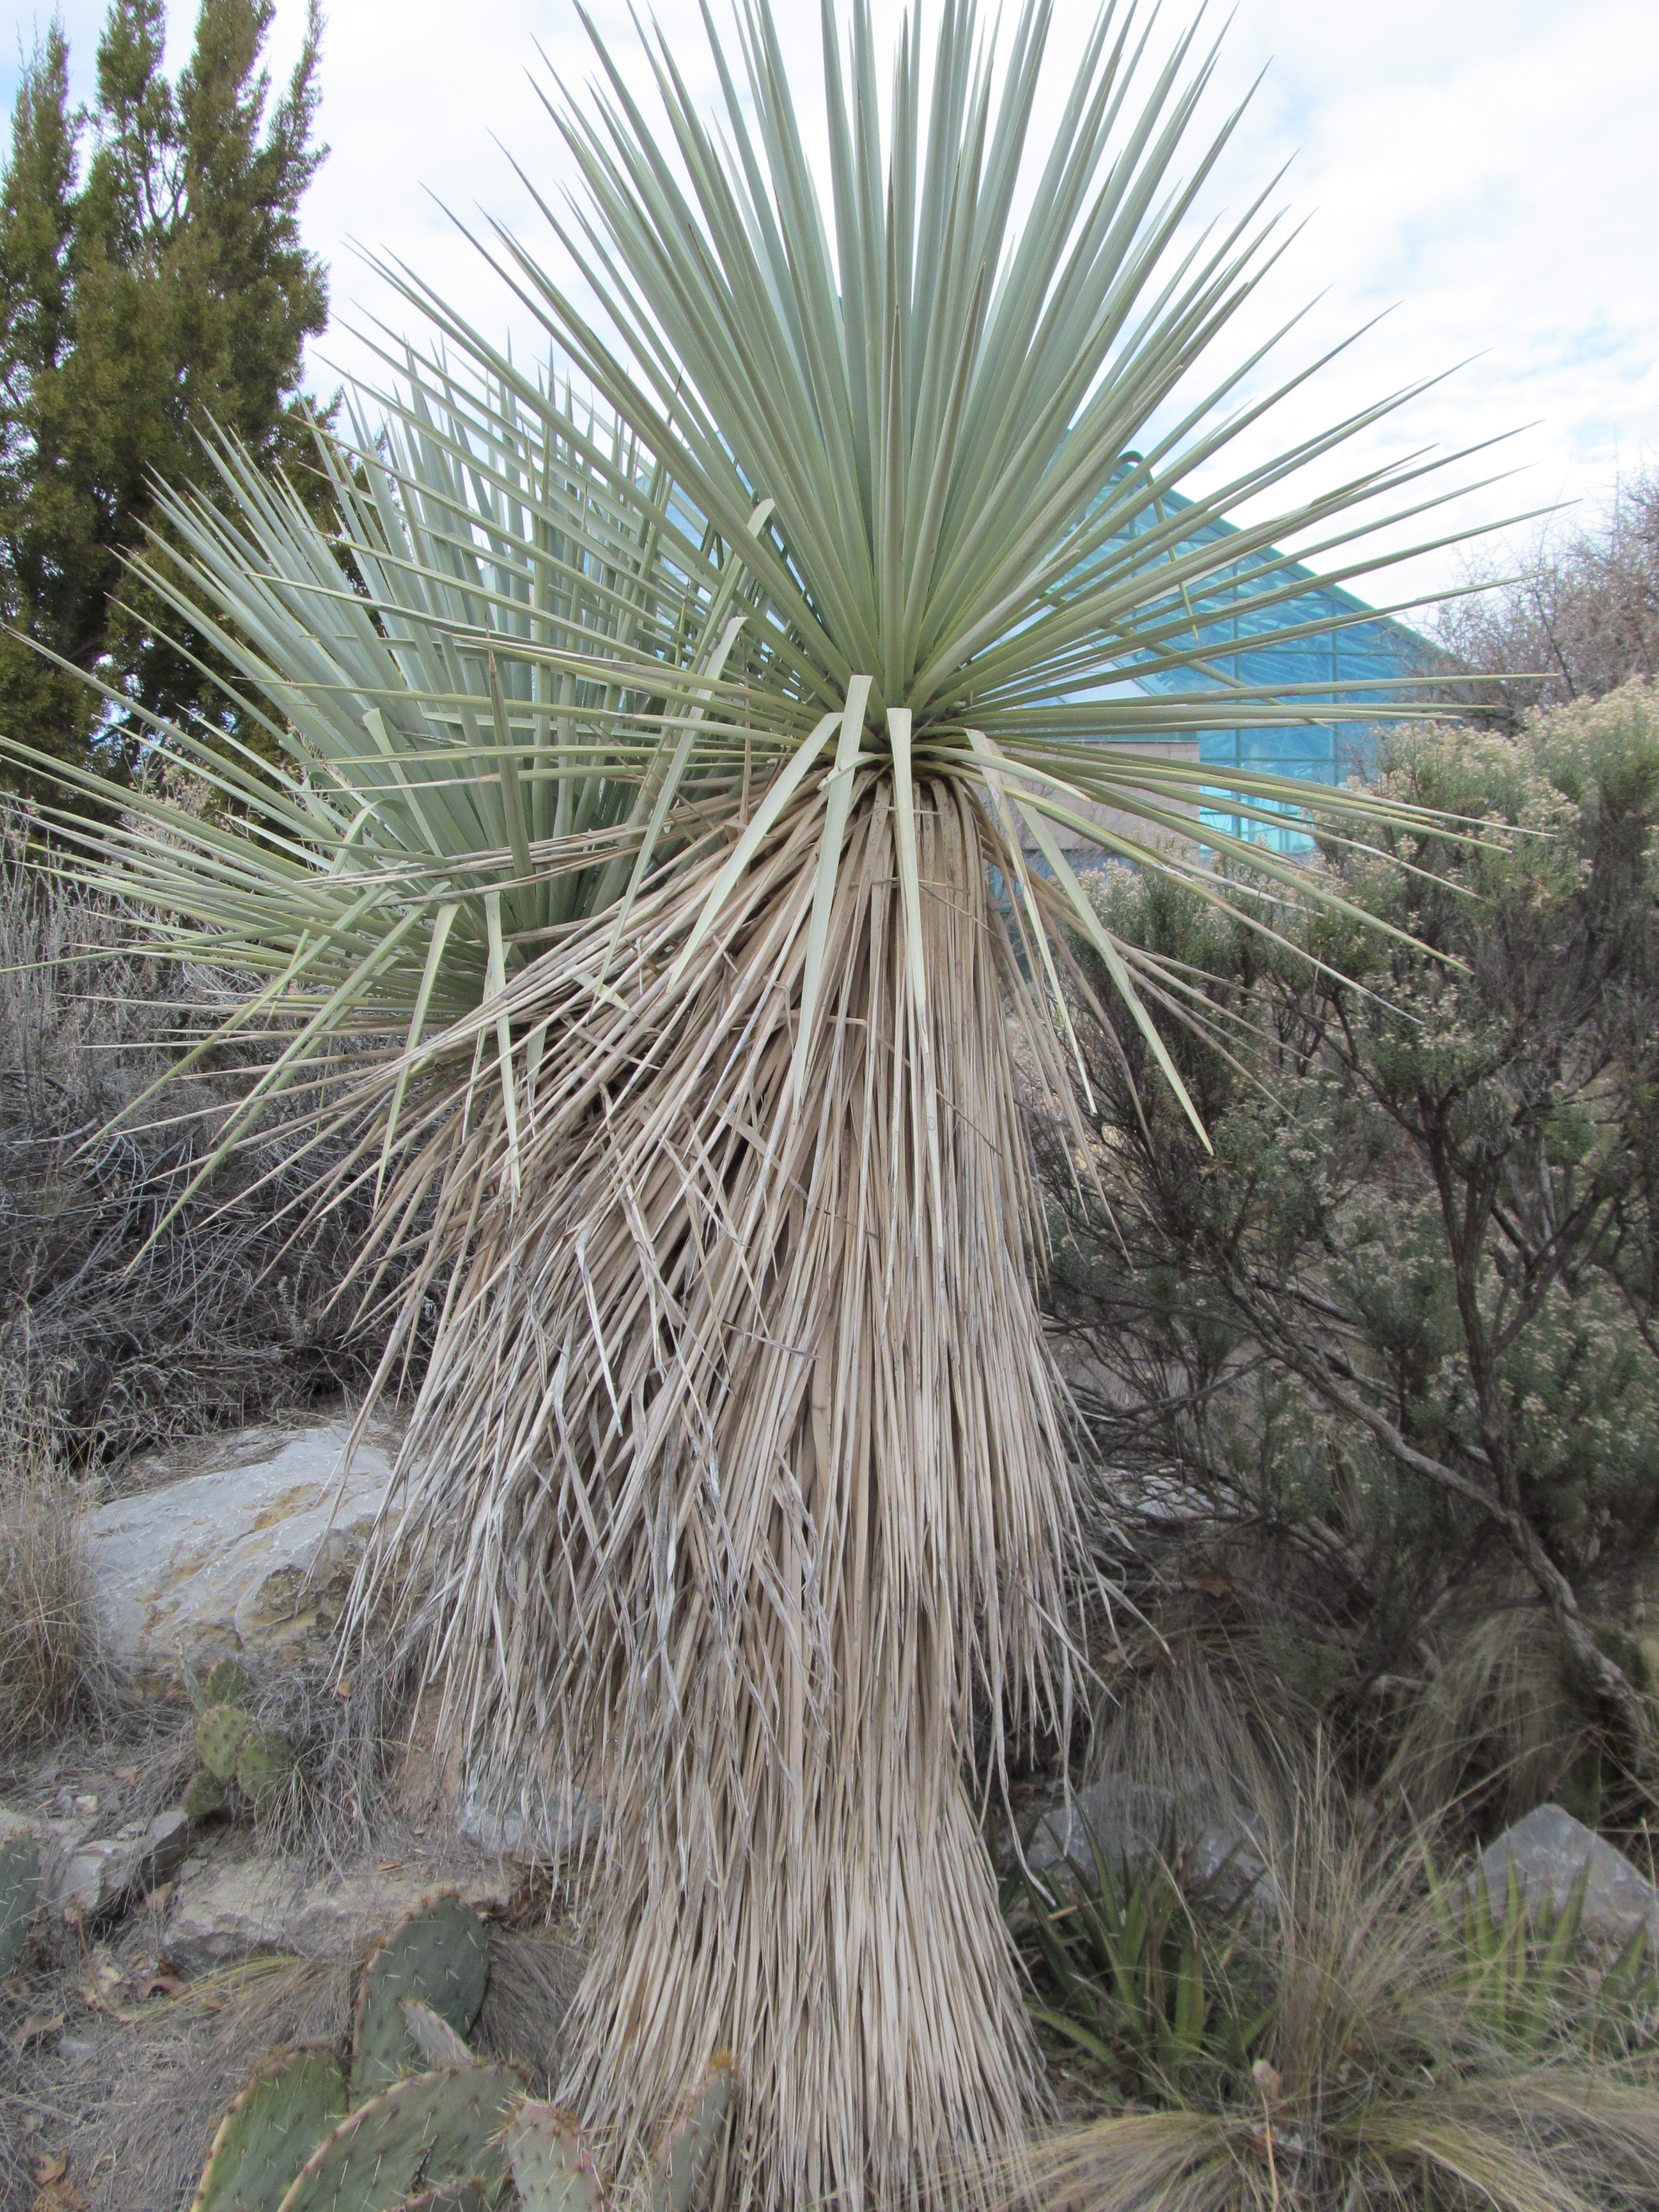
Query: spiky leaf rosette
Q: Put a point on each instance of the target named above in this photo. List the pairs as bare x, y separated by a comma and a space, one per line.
626, 888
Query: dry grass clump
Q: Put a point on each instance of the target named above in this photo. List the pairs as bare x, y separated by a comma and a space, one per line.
533, 1977
47, 1637
1502, 1723
1194, 1726
166, 2081
1403, 2066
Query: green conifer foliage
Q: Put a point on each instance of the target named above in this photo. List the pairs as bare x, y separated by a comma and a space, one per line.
157, 284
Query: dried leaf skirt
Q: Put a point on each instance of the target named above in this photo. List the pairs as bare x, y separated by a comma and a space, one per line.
739, 1482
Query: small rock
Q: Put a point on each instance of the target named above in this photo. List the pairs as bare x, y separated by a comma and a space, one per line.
540, 1837
102, 1876
236, 1910
1131, 1823
59, 1841
1548, 1849
257, 1551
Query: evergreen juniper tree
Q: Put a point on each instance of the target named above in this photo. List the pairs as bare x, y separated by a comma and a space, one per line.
164, 289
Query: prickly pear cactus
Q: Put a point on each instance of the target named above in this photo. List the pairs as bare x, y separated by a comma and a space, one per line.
293, 2100
263, 1762
225, 1684
219, 1736
423, 2132
205, 1795
20, 1889
687, 2151
433, 2036
553, 2168
468, 2196
439, 1956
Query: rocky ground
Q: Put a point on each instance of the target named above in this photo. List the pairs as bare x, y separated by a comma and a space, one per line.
172, 1945
167, 1952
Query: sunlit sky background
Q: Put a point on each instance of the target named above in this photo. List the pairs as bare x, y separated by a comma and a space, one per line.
1482, 170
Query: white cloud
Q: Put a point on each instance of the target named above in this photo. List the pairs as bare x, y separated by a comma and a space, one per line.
1483, 170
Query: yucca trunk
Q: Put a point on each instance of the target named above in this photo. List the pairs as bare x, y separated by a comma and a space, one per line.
741, 1468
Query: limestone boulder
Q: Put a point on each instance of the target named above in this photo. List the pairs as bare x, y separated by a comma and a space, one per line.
92, 1878
1548, 1850
250, 1550
59, 1841
225, 1909
102, 1876
1130, 1824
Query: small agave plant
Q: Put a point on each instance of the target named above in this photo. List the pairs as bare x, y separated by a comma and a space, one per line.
410, 2120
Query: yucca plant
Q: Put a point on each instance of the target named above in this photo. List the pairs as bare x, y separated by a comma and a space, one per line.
664, 862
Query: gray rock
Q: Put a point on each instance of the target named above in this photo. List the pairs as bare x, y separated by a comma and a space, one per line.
234, 1909
59, 1841
101, 1877
538, 1834
1548, 1849
1131, 1823
254, 1551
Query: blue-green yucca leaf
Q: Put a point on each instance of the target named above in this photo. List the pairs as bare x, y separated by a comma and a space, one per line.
885, 450
939, 409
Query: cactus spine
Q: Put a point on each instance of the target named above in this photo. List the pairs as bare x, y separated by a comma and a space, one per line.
468, 2196
433, 2036
553, 2169
225, 1684
305, 2137
263, 1763
689, 2150
219, 1736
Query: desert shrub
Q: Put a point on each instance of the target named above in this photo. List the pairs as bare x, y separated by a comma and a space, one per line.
132, 1308
1573, 617
1384, 1363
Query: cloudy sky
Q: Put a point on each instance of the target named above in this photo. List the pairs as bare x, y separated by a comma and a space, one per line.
1479, 172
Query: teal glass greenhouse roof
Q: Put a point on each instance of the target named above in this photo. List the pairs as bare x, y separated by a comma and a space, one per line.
1345, 644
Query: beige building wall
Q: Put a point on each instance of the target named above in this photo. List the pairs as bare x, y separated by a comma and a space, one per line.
1184, 749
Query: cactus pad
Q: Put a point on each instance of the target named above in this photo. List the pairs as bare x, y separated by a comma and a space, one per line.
219, 1736
689, 2150
225, 1684
20, 1888
263, 1763
424, 2131
205, 1796
439, 1956
433, 2036
552, 2167
293, 2100
469, 2195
